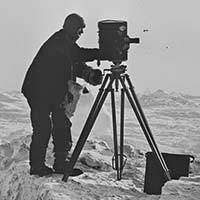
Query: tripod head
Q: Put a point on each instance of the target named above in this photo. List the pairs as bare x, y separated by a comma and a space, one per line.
117, 68
116, 71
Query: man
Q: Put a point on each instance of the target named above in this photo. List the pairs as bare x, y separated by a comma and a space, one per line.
57, 62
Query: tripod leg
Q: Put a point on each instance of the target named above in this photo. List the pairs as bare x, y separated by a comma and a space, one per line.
146, 124
115, 133
140, 108
122, 133
88, 125
142, 115
148, 134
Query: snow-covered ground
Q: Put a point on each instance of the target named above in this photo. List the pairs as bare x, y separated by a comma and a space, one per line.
175, 123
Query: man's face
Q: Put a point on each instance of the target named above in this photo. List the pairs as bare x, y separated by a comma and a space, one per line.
74, 25
78, 33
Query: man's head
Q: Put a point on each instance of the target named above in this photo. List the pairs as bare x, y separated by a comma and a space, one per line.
73, 25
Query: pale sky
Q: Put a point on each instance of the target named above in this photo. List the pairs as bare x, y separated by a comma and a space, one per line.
167, 58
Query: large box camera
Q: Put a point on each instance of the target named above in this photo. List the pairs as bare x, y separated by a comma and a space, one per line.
114, 41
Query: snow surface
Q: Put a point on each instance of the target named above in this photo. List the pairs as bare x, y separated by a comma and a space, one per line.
173, 118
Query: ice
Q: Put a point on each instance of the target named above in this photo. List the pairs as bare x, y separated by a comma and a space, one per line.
174, 119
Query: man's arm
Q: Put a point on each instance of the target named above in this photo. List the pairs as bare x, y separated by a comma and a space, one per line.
87, 54
90, 75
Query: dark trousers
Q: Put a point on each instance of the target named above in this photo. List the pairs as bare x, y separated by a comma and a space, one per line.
48, 119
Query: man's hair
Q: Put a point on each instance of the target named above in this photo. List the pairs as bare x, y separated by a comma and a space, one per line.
73, 21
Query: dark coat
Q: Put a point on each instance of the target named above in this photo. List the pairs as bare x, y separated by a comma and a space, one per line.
57, 61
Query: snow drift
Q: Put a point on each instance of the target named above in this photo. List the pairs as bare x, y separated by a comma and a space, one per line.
174, 119
97, 182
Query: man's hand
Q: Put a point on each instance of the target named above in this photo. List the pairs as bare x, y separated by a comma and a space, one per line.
95, 77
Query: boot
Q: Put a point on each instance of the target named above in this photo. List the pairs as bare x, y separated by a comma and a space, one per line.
61, 162
60, 169
41, 170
